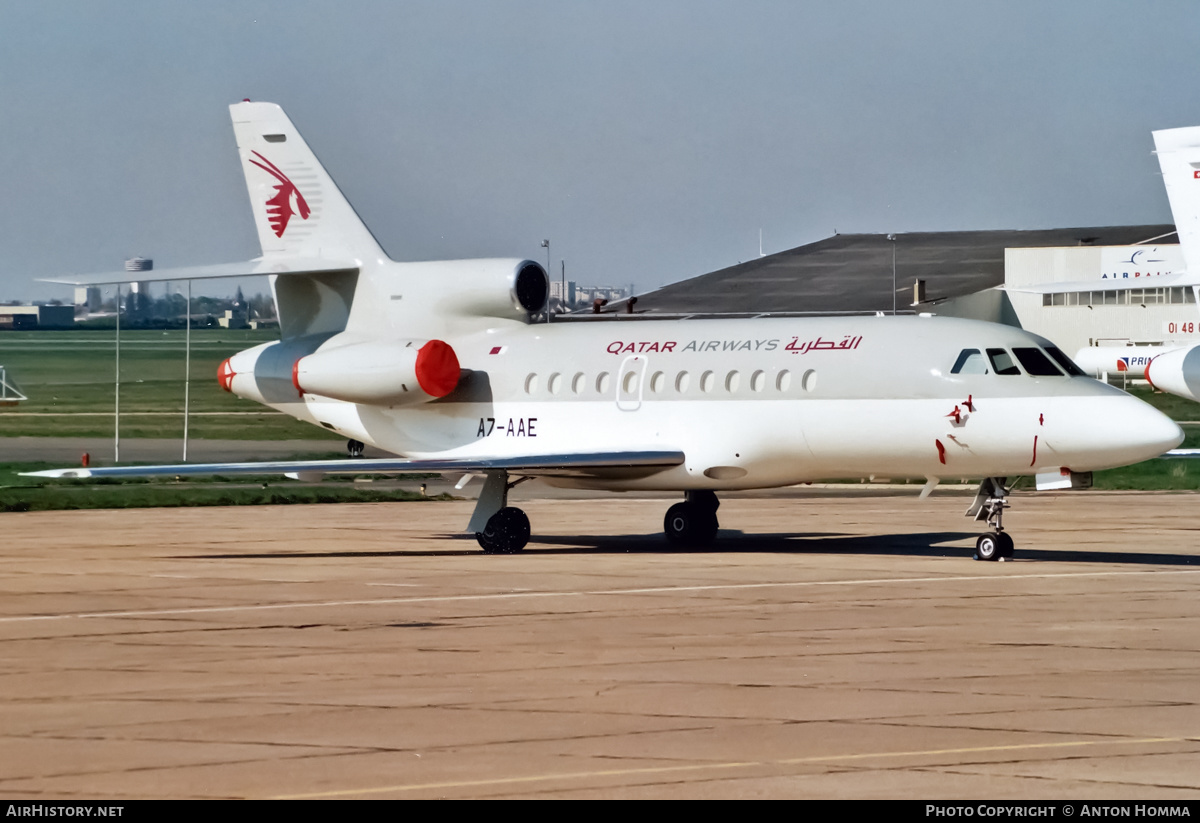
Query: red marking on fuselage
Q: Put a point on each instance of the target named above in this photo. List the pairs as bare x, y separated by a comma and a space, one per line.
279, 207
941, 451
1034, 460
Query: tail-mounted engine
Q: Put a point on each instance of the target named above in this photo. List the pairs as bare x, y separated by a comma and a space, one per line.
512, 289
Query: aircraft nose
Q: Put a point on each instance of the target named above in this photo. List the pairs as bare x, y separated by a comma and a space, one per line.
1149, 432
1120, 430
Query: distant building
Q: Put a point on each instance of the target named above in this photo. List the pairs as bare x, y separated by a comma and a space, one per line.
556, 291
234, 319
587, 294
87, 299
37, 317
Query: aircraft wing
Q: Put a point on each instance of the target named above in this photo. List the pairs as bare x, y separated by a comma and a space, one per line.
592, 464
250, 268
1182, 453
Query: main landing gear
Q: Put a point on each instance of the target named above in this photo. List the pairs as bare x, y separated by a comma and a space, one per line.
504, 529
499, 527
506, 532
989, 506
692, 523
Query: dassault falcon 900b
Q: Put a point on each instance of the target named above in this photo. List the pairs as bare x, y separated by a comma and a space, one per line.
443, 364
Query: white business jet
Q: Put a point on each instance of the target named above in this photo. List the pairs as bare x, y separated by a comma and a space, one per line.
444, 364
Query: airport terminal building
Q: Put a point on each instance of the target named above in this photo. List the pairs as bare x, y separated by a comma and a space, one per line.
976, 274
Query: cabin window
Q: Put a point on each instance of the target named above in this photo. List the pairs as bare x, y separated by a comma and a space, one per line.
602, 382
1002, 362
1036, 363
970, 361
1067, 363
758, 380
554, 384
706, 381
531, 384
682, 382
629, 384
809, 380
732, 380
783, 381
658, 382
578, 382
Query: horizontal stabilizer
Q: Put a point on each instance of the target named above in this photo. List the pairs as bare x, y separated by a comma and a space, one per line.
546, 465
1193, 453
251, 268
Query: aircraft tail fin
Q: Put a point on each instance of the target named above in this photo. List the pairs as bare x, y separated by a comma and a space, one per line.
1179, 158
298, 209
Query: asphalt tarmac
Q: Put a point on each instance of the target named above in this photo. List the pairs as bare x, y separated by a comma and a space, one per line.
827, 647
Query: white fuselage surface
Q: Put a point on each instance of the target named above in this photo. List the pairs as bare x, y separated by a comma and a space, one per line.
752, 403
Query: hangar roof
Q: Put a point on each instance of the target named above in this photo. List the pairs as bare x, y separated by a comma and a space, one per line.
853, 272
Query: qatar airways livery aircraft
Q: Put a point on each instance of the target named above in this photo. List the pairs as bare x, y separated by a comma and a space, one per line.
443, 364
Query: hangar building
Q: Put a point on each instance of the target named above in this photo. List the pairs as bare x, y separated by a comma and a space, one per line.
37, 317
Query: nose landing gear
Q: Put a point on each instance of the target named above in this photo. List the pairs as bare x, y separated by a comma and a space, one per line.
989, 507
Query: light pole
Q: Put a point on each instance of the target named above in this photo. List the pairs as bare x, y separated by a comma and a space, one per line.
892, 237
546, 246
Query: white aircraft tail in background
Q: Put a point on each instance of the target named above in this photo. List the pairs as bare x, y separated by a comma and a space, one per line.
1178, 153
445, 364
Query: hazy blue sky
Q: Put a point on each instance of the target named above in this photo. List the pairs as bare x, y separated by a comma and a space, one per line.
648, 140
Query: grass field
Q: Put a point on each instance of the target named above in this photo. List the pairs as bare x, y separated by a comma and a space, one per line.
1161, 474
69, 378
22, 494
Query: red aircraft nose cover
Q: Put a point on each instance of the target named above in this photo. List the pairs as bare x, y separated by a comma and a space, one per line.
225, 375
437, 368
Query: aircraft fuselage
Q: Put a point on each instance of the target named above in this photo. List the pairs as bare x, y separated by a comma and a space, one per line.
752, 403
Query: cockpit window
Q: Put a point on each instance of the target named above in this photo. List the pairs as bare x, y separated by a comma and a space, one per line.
1002, 362
1036, 362
1067, 363
970, 361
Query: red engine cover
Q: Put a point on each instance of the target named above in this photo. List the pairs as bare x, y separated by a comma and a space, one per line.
437, 368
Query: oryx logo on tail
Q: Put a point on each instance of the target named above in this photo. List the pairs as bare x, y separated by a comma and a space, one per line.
279, 207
